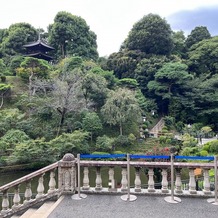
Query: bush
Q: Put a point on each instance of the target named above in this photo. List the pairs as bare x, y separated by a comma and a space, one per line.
104, 143
203, 153
122, 140
213, 146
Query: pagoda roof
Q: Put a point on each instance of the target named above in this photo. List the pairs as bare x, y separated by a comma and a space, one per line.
40, 55
38, 44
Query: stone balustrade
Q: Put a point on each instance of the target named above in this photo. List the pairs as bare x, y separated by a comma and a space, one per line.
140, 167
67, 169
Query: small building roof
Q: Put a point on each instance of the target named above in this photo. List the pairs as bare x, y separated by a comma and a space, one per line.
40, 55
39, 44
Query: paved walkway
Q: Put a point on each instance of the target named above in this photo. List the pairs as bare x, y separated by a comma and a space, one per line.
111, 206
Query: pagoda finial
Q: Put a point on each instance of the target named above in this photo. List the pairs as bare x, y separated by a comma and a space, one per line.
39, 35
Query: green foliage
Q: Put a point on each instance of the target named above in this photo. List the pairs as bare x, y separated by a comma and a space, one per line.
15, 37
190, 151
33, 67
198, 34
120, 107
70, 35
32, 151
151, 35
104, 143
92, 123
203, 153
202, 57
213, 147
131, 138
188, 141
128, 83
122, 141
75, 142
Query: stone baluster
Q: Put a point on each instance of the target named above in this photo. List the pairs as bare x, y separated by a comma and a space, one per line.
86, 185
5, 202
192, 182
28, 192
151, 180
164, 181
206, 182
111, 179
124, 181
98, 181
178, 183
40, 187
52, 182
16, 199
137, 180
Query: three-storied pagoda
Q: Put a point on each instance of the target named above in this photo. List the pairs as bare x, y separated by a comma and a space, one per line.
39, 49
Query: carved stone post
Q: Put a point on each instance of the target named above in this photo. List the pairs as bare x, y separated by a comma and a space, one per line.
124, 181
67, 174
192, 182
164, 182
206, 183
40, 188
5, 202
98, 180
178, 182
28, 192
112, 185
16, 198
151, 180
137, 180
52, 182
86, 185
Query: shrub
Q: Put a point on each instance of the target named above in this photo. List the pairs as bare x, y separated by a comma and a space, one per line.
213, 146
203, 153
104, 143
122, 140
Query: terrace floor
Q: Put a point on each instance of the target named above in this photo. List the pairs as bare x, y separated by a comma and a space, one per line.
111, 206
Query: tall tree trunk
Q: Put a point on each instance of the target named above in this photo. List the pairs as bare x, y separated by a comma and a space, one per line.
121, 129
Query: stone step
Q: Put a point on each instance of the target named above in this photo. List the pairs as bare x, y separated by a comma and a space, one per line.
40, 212
28, 213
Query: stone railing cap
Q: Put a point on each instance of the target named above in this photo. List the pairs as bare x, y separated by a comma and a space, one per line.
68, 157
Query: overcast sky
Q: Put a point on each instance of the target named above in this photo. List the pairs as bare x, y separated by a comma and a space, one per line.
111, 20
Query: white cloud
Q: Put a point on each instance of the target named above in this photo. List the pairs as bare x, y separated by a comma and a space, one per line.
111, 20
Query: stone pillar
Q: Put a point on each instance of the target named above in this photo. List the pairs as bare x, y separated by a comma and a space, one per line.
40, 188
16, 198
5, 202
112, 185
192, 182
151, 180
67, 174
28, 192
98, 181
137, 180
206, 183
52, 182
178, 182
124, 181
164, 182
86, 185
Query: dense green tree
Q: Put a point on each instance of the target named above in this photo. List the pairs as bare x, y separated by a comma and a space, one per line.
202, 57
75, 143
32, 68
198, 34
5, 90
94, 89
123, 63
152, 35
70, 35
147, 68
169, 82
92, 123
17, 35
179, 48
121, 106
